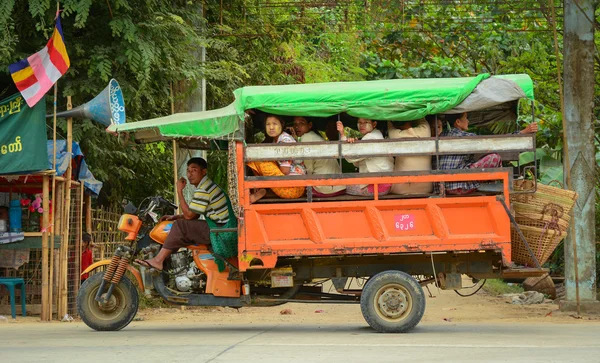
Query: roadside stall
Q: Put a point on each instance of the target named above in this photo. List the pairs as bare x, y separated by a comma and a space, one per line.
40, 232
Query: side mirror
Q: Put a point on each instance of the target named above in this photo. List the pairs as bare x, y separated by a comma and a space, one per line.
130, 208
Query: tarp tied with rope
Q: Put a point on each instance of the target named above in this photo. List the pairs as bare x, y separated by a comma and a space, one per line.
396, 99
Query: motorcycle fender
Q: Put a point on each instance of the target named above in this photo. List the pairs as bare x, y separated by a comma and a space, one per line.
130, 268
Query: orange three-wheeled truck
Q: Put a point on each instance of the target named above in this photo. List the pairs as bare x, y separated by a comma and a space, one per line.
377, 251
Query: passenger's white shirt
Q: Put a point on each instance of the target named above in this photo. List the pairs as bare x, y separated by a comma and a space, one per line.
377, 164
411, 163
321, 166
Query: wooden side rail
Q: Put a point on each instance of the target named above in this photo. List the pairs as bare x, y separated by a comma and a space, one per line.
395, 147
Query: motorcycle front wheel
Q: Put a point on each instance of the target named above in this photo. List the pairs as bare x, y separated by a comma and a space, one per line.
116, 313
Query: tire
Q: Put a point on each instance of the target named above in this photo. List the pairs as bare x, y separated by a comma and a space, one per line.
117, 313
392, 302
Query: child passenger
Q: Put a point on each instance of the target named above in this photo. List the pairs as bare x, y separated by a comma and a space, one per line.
376, 164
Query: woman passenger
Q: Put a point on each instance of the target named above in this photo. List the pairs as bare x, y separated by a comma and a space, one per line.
304, 133
274, 133
411, 129
376, 164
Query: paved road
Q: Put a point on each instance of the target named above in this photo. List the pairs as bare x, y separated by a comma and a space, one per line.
173, 342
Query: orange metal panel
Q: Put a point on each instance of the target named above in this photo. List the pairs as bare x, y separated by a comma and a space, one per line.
217, 283
384, 226
343, 223
276, 224
467, 218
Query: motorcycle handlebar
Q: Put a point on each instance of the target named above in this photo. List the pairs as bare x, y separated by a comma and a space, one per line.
164, 201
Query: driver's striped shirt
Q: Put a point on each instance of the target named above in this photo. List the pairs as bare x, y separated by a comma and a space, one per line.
210, 200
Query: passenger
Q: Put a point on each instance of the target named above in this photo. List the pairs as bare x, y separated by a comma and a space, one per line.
209, 200
304, 133
376, 164
460, 124
435, 124
331, 131
411, 163
274, 126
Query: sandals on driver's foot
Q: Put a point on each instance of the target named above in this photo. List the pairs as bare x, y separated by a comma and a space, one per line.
146, 264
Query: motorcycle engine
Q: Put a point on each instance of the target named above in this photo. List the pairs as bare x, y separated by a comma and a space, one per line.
186, 277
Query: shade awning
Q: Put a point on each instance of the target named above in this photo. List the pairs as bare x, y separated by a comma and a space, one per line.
396, 99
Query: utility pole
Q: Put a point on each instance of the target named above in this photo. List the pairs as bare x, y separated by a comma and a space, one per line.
195, 100
580, 161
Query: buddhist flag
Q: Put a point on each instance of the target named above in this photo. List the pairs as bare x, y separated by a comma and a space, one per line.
35, 75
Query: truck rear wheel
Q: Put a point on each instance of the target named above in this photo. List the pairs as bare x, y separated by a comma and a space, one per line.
115, 314
392, 302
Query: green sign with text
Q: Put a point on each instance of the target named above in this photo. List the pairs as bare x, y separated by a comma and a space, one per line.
23, 142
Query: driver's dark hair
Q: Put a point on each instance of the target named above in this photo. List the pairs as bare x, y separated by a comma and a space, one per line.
198, 161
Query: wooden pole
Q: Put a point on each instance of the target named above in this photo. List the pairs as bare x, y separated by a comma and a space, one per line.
66, 228
57, 208
78, 238
88, 213
53, 187
51, 225
57, 230
46, 302
64, 243
176, 197
57, 211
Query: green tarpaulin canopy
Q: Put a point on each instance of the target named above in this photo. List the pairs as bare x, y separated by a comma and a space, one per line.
396, 99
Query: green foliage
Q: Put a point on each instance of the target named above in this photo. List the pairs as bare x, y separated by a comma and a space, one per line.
430, 40
437, 67
217, 167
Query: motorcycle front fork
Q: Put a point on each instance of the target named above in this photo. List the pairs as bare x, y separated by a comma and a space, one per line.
115, 271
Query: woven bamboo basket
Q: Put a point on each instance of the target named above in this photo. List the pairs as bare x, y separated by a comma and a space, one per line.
543, 284
542, 241
525, 208
543, 217
544, 195
541, 221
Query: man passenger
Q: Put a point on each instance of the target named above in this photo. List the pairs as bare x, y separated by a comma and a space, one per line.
209, 200
460, 125
304, 133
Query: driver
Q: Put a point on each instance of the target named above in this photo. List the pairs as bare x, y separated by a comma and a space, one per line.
209, 200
